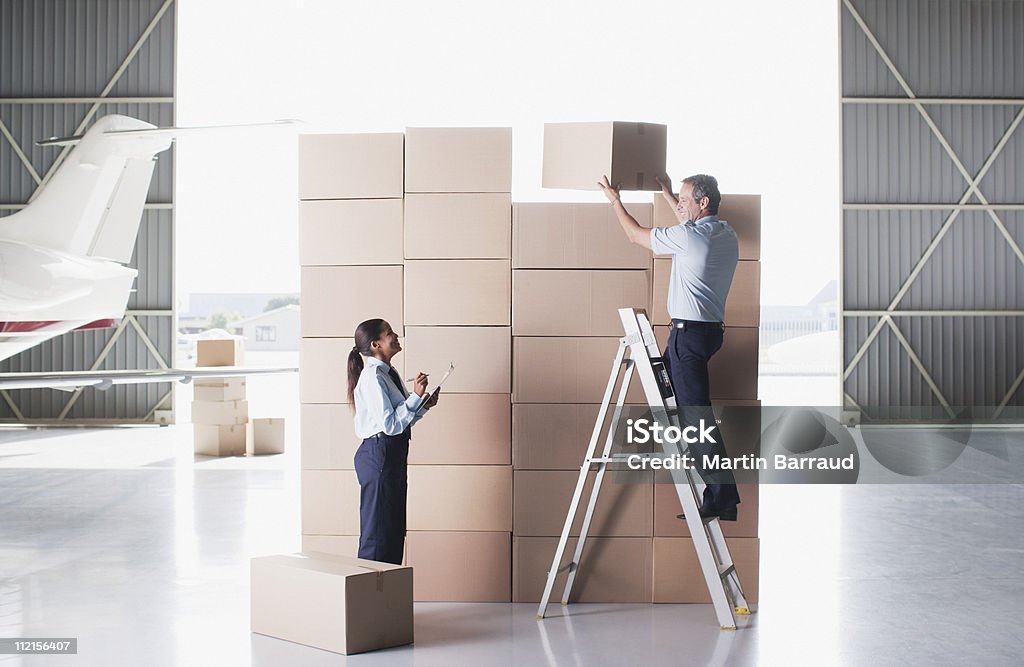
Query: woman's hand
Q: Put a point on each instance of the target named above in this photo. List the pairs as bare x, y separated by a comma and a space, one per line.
432, 401
419, 385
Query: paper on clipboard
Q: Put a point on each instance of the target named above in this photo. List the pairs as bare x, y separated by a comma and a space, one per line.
437, 389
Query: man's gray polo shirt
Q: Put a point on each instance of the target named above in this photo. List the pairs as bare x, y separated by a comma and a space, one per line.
704, 255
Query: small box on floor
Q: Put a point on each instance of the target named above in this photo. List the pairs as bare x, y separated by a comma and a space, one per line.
336, 603
214, 440
267, 435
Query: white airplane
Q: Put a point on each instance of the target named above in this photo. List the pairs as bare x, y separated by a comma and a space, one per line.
63, 256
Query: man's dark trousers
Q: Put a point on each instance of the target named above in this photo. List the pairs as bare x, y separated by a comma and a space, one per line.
382, 469
686, 358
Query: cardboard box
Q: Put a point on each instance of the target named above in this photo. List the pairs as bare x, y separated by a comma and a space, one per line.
460, 292
460, 498
631, 155
677, 573
458, 226
219, 352
482, 357
565, 370
334, 603
575, 303
461, 566
341, 545
219, 389
458, 159
667, 509
576, 236
742, 212
342, 232
267, 435
733, 369
612, 569
328, 437
742, 307
220, 413
551, 436
336, 299
351, 166
330, 502
465, 429
213, 440
323, 369
541, 500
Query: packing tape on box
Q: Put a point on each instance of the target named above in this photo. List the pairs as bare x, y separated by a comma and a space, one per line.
380, 576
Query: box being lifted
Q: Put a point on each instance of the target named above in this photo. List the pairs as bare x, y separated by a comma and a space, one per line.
576, 155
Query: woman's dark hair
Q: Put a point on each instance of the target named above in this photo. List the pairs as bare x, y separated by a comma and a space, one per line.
366, 333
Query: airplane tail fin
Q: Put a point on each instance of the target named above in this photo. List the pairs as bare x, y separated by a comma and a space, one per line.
93, 204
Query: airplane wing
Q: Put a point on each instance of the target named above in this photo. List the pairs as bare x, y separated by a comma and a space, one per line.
102, 380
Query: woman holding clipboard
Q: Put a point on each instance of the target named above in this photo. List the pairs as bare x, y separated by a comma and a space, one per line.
385, 412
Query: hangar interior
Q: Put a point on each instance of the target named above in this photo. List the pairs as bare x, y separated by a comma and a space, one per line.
120, 535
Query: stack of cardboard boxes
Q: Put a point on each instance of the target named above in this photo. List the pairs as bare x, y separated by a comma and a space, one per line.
420, 230
444, 284
220, 413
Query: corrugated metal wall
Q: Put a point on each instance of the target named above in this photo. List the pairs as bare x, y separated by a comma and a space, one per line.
933, 272
62, 66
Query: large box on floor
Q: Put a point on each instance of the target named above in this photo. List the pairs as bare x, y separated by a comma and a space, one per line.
327, 437
214, 440
267, 435
742, 212
336, 299
351, 166
220, 413
219, 352
459, 566
458, 226
458, 159
459, 292
577, 155
612, 569
219, 389
340, 232
541, 501
336, 603
733, 369
677, 573
465, 429
575, 303
460, 498
565, 370
667, 509
742, 307
575, 236
482, 357
330, 502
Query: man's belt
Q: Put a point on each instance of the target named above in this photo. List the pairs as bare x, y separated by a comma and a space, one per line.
684, 324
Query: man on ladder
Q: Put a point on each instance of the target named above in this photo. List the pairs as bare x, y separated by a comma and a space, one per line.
704, 253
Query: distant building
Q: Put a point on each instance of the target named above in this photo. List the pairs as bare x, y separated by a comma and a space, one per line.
276, 329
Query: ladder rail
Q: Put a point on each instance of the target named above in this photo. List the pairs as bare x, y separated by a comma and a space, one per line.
602, 468
581, 482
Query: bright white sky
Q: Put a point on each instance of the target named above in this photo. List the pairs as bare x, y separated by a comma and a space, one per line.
748, 89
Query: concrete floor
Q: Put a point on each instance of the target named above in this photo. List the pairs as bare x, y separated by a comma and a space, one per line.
125, 540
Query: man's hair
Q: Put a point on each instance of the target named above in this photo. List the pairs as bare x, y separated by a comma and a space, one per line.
705, 186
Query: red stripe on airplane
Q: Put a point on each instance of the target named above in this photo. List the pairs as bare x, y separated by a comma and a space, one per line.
27, 327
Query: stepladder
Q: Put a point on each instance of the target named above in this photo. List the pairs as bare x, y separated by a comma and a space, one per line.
638, 355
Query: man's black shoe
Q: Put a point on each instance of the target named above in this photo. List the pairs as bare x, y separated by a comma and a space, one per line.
726, 514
